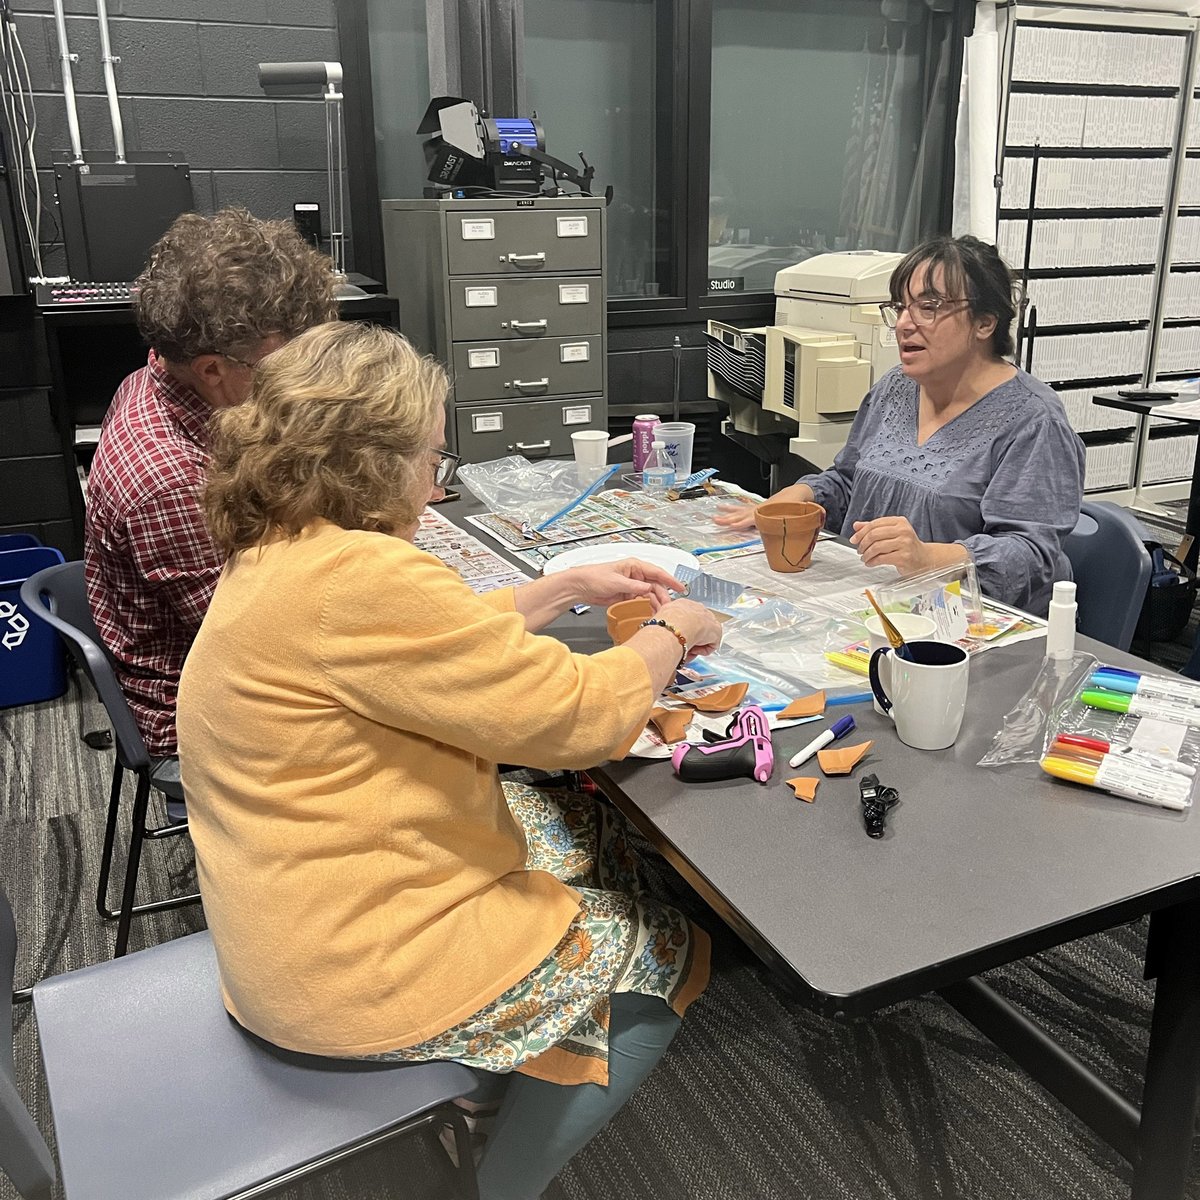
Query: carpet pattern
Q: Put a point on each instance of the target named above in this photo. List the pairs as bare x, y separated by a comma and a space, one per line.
757, 1099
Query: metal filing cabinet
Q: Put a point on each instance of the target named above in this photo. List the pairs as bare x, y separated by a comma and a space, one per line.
510, 295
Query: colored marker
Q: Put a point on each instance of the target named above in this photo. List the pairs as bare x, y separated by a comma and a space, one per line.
1121, 779
1143, 706
1130, 682
1093, 747
852, 698
837, 730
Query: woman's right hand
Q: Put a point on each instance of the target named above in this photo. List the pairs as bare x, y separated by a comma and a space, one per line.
735, 516
741, 516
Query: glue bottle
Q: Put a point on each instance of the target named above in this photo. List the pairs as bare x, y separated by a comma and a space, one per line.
1060, 625
659, 472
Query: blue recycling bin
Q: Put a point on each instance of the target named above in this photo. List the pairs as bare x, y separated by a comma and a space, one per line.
32, 666
17, 541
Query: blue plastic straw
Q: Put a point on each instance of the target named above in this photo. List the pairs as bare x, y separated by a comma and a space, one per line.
733, 546
853, 698
562, 512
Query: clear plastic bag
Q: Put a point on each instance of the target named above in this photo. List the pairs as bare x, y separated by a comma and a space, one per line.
522, 490
1024, 733
790, 643
949, 597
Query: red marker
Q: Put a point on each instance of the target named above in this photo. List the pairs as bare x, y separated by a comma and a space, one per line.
1093, 749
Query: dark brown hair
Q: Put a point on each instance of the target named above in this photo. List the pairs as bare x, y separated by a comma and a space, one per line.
972, 270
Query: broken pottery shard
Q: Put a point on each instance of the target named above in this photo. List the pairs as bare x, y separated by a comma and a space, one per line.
843, 760
804, 787
812, 705
671, 723
722, 701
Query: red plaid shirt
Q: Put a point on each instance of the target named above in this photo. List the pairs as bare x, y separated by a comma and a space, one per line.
151, 566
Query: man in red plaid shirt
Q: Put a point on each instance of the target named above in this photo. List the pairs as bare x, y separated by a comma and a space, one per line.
218, 294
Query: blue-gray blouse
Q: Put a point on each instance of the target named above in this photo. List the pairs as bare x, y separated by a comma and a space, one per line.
1004, 478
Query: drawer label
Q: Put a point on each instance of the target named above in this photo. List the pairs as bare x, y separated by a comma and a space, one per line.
481, 297
483, 358
573, 293
487, 422
581, 415
479, 229
574, 352
572, 226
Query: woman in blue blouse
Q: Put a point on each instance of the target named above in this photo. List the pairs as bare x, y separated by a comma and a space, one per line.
955, 454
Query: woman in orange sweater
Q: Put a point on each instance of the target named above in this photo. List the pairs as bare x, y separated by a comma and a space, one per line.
372, 888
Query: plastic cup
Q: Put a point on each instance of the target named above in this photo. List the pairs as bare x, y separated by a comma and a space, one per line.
591, 453
679, 437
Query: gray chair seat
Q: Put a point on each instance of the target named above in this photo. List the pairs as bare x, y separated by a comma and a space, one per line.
158, 1094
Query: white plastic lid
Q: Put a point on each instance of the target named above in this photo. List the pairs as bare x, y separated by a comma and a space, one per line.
663, 446
1064, 591
646, 417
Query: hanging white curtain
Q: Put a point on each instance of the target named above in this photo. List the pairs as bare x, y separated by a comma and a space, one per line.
976, 136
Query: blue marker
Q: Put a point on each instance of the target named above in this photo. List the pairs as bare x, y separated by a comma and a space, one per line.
1130, 683
852, 698
837, 730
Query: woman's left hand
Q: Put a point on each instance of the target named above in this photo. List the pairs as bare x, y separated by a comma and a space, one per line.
891, 541
606, 583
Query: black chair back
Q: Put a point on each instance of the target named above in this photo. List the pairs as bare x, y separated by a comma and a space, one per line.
58, 595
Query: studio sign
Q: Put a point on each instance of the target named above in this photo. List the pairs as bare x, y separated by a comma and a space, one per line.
731, 283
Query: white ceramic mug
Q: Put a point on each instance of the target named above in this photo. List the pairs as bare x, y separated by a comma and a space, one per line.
924, 691
911, 627
591, 453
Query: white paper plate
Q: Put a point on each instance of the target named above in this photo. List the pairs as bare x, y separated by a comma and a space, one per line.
666, 557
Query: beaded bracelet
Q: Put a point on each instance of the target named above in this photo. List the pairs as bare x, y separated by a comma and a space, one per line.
670, 629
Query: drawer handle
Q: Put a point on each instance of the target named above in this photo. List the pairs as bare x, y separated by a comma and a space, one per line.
522, 326
528, 260
525, 447
532, 385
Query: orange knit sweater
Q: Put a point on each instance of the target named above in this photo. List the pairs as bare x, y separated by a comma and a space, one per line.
340, 717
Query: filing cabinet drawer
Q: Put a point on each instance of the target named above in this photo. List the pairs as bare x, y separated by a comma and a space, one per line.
536, 429
525, 370
555, 306
523, 241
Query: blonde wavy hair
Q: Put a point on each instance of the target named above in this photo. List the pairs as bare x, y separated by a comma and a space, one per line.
220, 284
337, 425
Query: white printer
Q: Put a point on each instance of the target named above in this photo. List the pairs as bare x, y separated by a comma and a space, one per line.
828, 345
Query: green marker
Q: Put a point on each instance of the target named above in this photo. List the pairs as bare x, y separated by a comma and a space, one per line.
1142, 706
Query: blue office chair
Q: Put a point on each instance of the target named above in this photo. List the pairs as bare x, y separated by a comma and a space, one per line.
24, 1156
1111, 565
58, 596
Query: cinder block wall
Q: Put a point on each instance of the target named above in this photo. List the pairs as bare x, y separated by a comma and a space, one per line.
188, 81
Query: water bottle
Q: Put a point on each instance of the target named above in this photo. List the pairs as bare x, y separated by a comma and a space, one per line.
659, 472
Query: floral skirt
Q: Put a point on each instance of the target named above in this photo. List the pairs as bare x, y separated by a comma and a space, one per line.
553, 1024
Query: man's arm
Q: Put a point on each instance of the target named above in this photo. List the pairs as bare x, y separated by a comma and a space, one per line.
174, 553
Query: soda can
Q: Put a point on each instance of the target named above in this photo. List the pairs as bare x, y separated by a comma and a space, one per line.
643, 437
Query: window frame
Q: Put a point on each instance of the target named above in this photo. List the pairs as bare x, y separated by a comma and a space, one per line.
683, 40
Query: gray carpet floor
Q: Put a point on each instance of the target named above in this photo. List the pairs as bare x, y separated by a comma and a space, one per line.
757, 1099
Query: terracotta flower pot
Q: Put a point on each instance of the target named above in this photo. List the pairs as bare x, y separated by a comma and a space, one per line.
625, 617
789, 530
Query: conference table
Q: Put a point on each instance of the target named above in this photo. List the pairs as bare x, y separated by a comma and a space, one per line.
978, 867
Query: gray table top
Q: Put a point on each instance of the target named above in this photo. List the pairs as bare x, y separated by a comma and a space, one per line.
978, 867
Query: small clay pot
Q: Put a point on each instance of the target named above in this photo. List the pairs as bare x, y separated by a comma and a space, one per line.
625, 618
789, 530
